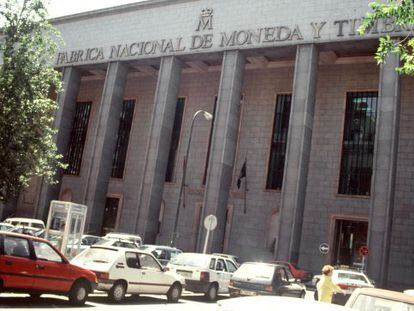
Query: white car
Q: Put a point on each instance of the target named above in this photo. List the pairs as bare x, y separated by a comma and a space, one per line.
348, 280
204, 273
116, 243
6, 227
124, 236
163, 253
26, 222
271, 303
129, 271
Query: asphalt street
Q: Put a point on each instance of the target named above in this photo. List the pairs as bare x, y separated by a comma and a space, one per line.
100, 301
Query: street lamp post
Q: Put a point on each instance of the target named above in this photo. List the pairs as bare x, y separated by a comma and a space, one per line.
208, 116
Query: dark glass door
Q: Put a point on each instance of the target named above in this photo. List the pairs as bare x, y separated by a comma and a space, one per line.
110, 215
350, 235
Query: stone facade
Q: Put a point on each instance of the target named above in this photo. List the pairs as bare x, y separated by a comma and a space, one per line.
200, 64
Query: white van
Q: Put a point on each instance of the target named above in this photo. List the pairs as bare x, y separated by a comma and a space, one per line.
26, 222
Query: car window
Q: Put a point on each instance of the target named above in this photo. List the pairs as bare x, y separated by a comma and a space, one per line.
231, 267
369, 303
39, 226
17, 247
147, 262
220, 265
289, 274
132, 260
212, 263
44, 251
352, 276
281, 274
123, 244
160, 254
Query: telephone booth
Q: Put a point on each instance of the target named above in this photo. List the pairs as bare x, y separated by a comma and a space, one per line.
65, 226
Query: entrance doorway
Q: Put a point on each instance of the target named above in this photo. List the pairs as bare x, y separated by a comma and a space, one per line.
110, 215
350, 235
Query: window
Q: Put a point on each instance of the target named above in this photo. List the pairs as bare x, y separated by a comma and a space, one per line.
132, 260
125, 123
212, 263
279, 142
209, 142
17, 247
44, 251
220, 266
77, 138
358, 143
147, 262
231, 266
175, 139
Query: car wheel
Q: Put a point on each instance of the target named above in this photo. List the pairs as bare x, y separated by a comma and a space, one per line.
315, 295
117, 292
211, 294
174, 292
302, 295
79, 293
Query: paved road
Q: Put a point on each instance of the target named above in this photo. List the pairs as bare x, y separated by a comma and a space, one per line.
100, 302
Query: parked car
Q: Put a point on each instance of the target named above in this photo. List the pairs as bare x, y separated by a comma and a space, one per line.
116, 243
26, 222
258, 278
163, 253
5, 226
32, 265
204, 273
348, 280
129, 271
298, 273
232, 257
373, 299
40, 233
125, 236
272, 303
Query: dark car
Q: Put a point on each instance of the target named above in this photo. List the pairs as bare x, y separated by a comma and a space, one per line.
256, 278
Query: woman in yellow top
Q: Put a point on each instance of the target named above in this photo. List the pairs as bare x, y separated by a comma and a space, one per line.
325, 286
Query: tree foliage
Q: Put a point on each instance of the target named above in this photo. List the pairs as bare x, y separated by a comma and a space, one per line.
402, 12
28, 46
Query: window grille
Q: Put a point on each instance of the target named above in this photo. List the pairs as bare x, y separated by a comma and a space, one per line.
279, 142
77, 138
358, 143
175, 139
125, 124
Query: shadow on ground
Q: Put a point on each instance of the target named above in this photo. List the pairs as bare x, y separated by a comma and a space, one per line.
26, 302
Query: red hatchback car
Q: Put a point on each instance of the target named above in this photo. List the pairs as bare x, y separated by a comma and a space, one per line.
32, 265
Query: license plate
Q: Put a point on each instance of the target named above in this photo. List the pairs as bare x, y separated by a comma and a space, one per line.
185, 273
247, 293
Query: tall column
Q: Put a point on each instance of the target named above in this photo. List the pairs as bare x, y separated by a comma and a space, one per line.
297, 153
62, 122
223, 146
384, 170
156, 160
104, 144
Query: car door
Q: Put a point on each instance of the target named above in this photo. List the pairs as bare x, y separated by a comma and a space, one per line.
52, 272
223, 275
133, 272
286, 288
16, 262
153, 278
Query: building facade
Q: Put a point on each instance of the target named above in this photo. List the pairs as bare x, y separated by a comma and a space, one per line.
309, 156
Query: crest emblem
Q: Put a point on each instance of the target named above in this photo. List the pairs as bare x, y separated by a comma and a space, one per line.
206, 20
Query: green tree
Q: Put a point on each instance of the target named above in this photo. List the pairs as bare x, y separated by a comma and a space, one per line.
402, 12
28, 45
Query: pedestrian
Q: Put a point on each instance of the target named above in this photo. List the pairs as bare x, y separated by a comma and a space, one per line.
325, 286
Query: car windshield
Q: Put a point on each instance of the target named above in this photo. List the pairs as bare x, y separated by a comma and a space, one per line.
100, 255
193, 260
256, 271
351, 277
369, 303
